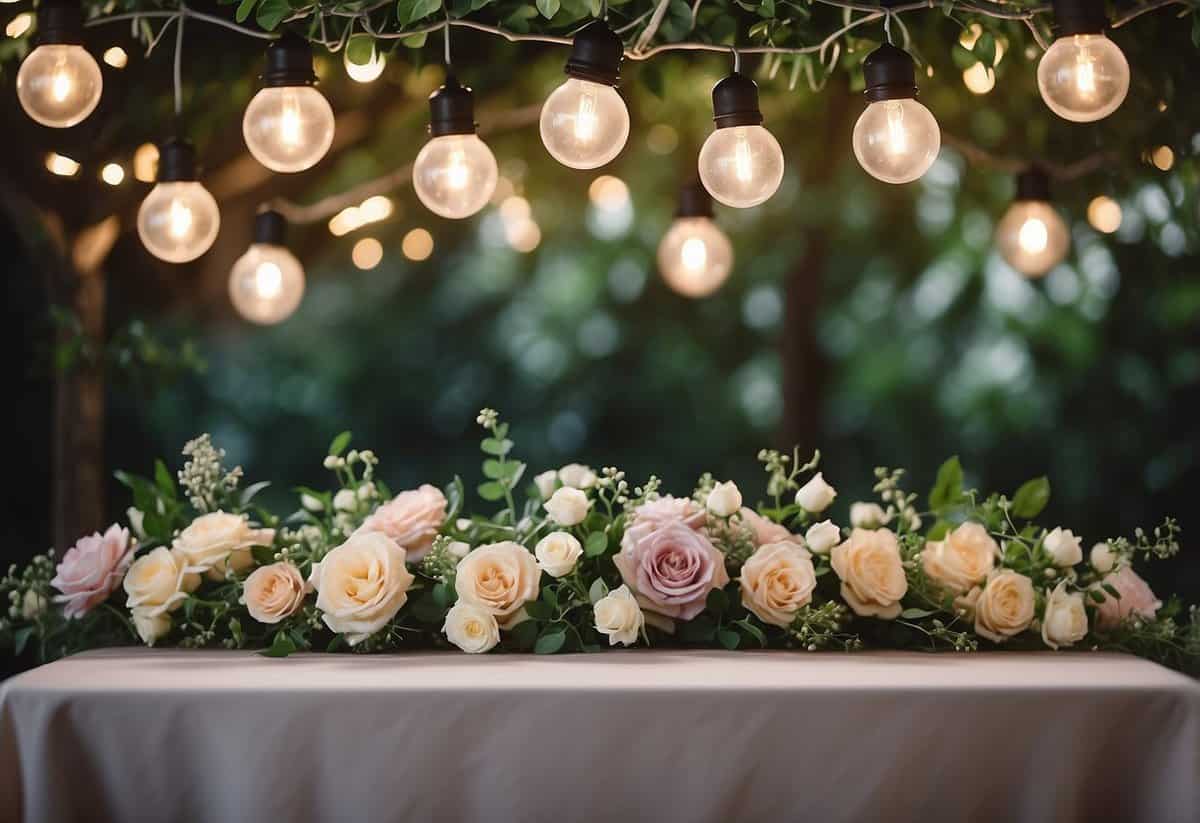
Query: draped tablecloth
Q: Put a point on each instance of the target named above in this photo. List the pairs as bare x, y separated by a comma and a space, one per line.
139, 734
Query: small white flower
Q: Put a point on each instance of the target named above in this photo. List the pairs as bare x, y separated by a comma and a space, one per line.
366, 491
546, 483
458, 549
330, 462
867, 516
557, 553
618, 616
313, 504
345, 500
1103, 558
577, 476
462, 524
472, 628
136, 519
816, 495
567, 506
724, 499
32, 605
821, 537
1064, 547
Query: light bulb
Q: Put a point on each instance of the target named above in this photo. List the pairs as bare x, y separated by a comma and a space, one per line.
584, 123
896, 139
266, 283
694, 256
1032, 237
288, 125
179, 219
59, 84
368, 71
741, 163
455, 173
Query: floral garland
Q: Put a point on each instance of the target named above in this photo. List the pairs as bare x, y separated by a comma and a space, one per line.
586, 562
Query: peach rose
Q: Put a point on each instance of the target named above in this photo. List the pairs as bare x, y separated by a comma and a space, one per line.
411, 519
274, 592
361, 585
219, 540
501, 578
92, 569
964, 559
1005, 607
777, 581
872, 574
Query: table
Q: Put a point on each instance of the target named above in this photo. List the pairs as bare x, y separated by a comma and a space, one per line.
138, 734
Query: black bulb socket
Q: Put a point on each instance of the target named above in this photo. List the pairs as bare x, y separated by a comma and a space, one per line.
451, 109
60, 23
890, 73
176, 161
694, 201
270, 228
1033, 184
735, 102
596, 54
1079, 17
289, 62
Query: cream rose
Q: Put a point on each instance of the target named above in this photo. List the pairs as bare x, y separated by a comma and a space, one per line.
964, 559
867, 516
618, 616
816, 495
1064, 547
822, 537
577, 476
777, 581
546, 483
872, 574
361, 585
1005, 607
1064, 622
157, 583
274, 592
472, 628
411, 519
218, 541
501, 578
151, 627
1103, 558
568, 506
724, 499
557, 553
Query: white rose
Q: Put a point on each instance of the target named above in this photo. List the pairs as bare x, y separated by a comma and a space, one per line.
345, 500
963, 560
822, 537
501, 578
777, 581
815, 495
1005, 607
557, 553
1064, 547
724, 499
577, 476
219, 540
150, 626
618, 616
568, 506
472, 628
274, 592
872, 574
1103, 558
361, 585
458, 549
1065, 620
32, 605
546, 483
159, 581
136, 518
867, 515
313, 504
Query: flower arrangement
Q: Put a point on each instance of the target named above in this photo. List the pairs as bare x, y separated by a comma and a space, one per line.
586, 561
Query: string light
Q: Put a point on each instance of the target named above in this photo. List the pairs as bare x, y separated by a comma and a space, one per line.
1104, 214
266, 283
455, 173
585, 123
1163, 158
1031, 236
694, 256
179, 219
113, 174
61, 165
116, 57
367, 253
59, 83
145, 163
896, 139
741, 163
288, 125
364, 72
20, 24
1083, 76
417, 245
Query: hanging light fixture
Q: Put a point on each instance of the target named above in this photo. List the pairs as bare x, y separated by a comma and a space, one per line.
896, 139
288, 125
1083, 76
59, 83
179, 219
694, 256
266, 283
455, 173
585, 123
741, 163
1031, 236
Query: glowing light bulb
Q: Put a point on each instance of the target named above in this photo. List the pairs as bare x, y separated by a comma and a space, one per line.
584, 123
178, 221
1104, 214
61, 165
455, 173
266, 283
288, 125
113, 174
695, 257
741, 163
896, 139
368, 71
1031, 236
59, 84
1083, 77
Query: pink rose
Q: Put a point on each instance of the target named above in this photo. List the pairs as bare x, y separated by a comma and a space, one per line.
1136, 598
664, 511
92, 569
411, 519
672, 569
767, 531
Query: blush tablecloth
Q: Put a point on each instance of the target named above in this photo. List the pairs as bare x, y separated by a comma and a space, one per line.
138, 734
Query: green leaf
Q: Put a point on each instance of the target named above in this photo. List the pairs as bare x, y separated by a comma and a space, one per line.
1108, 587
281, 646
550, 642
444, 594
548, 8
21, 639
271, 13
916, 614
250, 491
1096, 596
596, 544
243, 10
729, 639
963, 58
415, 41
940, 529
524, 635
598, 591
493, 469
718, 601
360, 49
947, 489
427, 610
549, 597
455, 496
753, 631
339, 444
700, 630
163, 479
1031, 498
539, 610
421, 8
491, 491
499, 448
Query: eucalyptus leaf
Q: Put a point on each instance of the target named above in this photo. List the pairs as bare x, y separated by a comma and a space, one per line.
1031, 498
339, 444
548, 8
596, 544
550, 643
